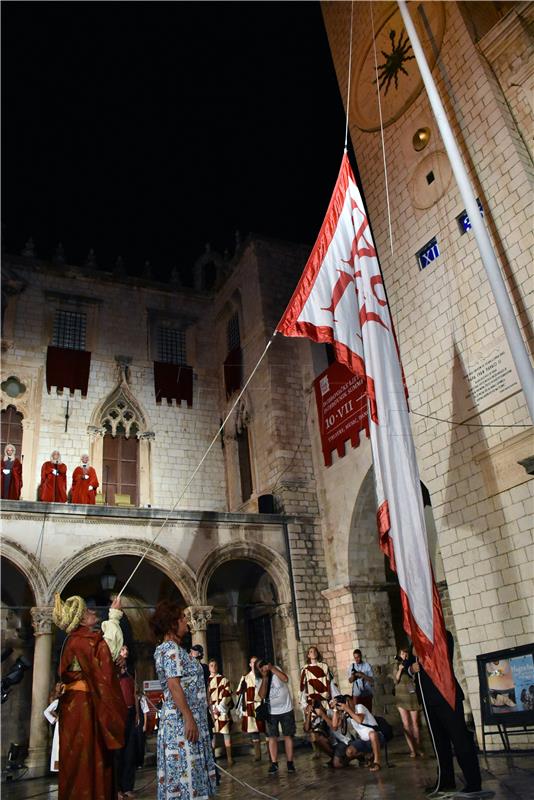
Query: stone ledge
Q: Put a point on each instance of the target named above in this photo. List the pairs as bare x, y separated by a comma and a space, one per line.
23, 507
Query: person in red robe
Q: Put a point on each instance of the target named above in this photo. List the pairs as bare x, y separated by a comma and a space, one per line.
53, 480
84, 483
11, 474
91, 708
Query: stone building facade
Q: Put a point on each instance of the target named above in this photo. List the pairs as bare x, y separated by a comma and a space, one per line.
469, 439
268, 547
164, 365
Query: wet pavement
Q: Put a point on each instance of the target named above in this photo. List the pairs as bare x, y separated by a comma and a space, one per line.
509, 777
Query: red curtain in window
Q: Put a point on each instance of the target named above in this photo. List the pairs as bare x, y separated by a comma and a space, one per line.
173, 381
233, 371
68, 369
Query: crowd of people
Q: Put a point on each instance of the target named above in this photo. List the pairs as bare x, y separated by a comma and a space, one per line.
53, 486
99, 718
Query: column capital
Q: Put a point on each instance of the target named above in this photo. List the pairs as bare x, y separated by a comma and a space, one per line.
284, 611
197, 617
95, 431
41, 620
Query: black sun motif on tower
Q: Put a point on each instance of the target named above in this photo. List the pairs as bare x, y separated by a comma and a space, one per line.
389, 70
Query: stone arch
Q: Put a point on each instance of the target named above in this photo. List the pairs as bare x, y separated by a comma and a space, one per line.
211, 264
30, 568
364, 558
173, 567
273, 564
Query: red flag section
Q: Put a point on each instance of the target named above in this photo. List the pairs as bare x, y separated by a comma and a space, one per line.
340, 299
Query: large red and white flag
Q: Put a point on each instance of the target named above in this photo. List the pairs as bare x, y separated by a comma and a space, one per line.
340, 299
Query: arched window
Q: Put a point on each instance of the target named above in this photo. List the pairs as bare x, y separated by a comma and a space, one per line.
121, 452
11, 429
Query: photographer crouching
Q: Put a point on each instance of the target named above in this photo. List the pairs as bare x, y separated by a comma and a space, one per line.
368, 738
327, 727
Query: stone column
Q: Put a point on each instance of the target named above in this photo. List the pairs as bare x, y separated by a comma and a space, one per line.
197, 617
29, 487
145, 472
96, 456
38, 756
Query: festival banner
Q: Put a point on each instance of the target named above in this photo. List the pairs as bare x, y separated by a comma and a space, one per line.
341, 409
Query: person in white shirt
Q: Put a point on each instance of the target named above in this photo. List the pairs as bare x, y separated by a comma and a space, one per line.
325, 724
274, 688
51, 714
370, 739
360, 675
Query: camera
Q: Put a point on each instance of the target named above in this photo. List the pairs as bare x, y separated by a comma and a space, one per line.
14, 676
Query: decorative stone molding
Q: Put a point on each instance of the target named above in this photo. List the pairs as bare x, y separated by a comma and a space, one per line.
41, 620
95, 431
148, 436
285, 612
198, 617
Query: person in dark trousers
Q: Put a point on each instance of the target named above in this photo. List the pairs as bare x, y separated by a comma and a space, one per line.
197, 651
127, 757
449, 730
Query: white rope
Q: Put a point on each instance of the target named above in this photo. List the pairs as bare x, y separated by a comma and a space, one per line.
348, 82
190, 481
244, 783
381, 130
438, 777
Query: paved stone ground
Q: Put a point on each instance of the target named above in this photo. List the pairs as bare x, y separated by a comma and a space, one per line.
511, 778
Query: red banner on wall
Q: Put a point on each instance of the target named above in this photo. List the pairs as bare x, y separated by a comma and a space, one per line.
341, 408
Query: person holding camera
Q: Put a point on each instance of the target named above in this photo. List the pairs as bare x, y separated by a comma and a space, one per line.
326, 725
274, 688
407, 701
369, 738
360, 675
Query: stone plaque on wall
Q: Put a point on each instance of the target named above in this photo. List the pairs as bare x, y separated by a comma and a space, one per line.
484, 376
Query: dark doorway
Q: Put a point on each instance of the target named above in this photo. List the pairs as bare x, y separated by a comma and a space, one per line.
260, 637
245, 471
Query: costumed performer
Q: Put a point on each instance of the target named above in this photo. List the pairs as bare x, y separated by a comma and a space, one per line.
11, 474
53, 480
84, 483
248, 701
92, 711
220, 704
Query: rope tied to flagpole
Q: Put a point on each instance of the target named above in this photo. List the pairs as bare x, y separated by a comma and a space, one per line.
348, 82
199, 465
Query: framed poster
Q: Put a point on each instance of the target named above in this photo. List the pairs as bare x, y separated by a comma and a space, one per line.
506, 684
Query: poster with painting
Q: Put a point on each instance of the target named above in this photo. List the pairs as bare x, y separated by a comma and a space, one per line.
506, 680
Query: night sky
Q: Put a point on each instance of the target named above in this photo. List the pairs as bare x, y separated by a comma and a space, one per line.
148, 129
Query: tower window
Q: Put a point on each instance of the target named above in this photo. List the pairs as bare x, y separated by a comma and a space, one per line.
232, 332
69, 330
171, 346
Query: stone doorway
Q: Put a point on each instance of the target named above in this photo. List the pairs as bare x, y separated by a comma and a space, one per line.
245, 618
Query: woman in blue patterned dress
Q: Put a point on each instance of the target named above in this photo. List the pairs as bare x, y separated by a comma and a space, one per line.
186, 769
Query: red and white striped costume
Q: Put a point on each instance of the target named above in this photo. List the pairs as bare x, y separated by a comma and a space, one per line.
315, 680
249, 700
219, 700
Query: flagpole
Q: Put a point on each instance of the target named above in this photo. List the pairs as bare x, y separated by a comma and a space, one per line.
489, 260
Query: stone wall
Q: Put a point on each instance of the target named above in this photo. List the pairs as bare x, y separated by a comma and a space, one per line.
482, 500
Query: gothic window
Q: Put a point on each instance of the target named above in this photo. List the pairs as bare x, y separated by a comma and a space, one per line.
232, 332
69, 330
245, 471
120, 418
11, 429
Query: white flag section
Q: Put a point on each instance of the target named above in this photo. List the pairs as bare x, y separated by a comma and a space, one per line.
340, 299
